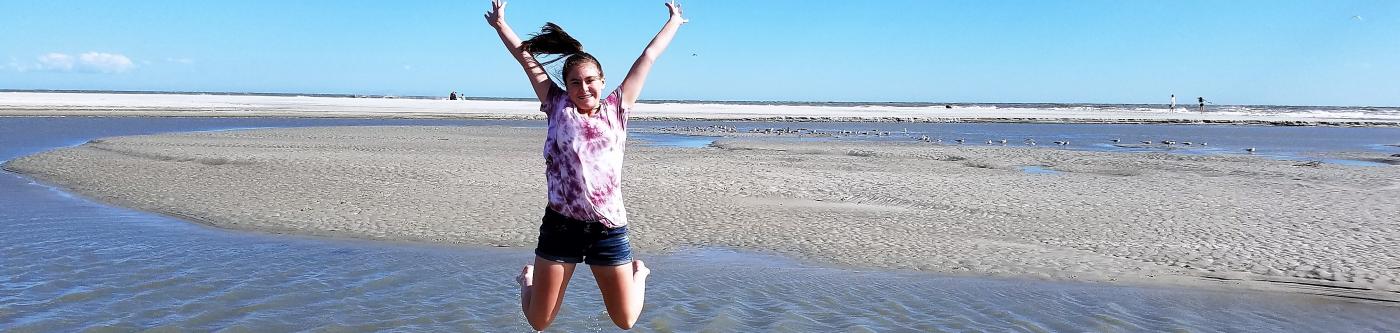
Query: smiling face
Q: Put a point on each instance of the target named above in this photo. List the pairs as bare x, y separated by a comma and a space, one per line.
584, 82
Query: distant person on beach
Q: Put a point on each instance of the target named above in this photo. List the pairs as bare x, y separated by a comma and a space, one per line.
584, 221
452, 96
1173, 107
1202, 100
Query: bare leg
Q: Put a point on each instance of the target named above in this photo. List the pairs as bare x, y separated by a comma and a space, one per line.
542, 288
624, 291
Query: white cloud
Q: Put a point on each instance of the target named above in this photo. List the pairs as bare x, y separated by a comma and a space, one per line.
408, 67
104, 62
56, 62
91, 62
14, 65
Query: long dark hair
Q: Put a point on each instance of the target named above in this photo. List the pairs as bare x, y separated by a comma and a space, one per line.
552, 40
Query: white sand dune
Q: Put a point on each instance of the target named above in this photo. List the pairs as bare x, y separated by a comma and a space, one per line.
107, 104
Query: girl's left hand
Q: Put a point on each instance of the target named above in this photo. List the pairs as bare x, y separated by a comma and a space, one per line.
497, 16
675, 9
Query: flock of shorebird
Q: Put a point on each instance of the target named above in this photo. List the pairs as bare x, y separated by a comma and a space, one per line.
924, 138
1032, 142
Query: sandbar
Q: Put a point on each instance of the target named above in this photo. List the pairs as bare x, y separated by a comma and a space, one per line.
1219, 220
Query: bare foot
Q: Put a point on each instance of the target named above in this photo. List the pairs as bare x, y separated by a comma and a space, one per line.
640, 272
526, 279
527, 276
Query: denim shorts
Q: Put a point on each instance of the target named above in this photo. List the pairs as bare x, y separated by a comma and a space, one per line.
567, 240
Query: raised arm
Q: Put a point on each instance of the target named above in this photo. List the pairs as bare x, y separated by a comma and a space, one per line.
637, 76
539, 79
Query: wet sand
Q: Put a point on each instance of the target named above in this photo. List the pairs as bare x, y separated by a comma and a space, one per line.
1231, 221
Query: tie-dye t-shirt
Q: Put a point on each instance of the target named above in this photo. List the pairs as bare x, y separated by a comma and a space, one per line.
583, 158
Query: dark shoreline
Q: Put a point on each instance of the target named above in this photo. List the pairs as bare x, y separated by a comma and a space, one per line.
1015, 105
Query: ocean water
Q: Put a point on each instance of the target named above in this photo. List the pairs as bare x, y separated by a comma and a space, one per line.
1281, 142
70, 264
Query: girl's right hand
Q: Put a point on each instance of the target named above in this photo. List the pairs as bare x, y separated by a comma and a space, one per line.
497, 16
675, 9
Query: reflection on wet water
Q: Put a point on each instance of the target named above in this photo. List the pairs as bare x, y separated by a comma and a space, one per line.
672, 140
1278, 142
1038, 170
70, 264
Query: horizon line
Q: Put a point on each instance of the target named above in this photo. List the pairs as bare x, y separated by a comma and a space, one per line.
720, 101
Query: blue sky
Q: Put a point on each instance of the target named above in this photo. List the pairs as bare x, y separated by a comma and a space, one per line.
1231, 52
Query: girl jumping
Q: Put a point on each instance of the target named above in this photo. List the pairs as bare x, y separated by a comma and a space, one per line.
584, 220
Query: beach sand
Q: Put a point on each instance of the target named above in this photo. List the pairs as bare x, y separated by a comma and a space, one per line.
1224, 220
